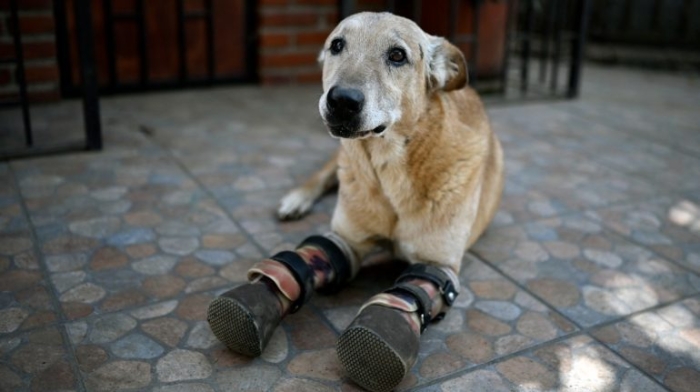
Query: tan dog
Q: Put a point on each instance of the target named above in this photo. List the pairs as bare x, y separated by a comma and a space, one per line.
418, 167
418, 164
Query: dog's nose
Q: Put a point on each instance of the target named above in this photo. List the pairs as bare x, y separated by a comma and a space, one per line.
344, 103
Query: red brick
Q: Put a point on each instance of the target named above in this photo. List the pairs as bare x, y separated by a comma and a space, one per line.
45, 96
287, 60
274, 40
286, 19
270, 80
309, 77
317, 38
36, 24
32, 50
5, 77
42, 73
332, 18
39, 50
34, 96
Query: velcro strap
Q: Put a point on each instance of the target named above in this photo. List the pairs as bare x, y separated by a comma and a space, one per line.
339, 262
302, 273
422, 300
434, 275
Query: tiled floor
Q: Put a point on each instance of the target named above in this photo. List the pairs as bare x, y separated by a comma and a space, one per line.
587, 280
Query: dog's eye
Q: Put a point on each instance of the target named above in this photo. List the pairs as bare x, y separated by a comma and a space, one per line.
397, 56
337, 45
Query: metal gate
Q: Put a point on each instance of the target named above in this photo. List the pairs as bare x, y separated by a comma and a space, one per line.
174, 44
88, 105
539, 51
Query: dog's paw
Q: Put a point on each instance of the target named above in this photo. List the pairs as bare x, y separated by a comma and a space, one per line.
295, 204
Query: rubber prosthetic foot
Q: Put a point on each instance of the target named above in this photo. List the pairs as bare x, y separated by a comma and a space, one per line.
245, 318
378, 348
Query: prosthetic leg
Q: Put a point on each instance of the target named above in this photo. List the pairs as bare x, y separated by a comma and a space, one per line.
245, 318
381, 344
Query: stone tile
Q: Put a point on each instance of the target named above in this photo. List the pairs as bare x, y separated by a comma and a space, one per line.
135, 248
572, 182
166, 329
26, 299
665, 343
669, 226
132, 254
254, 377
37, 360
491, 317
183, 365
587, 273
574, 364
117, 375
317, 364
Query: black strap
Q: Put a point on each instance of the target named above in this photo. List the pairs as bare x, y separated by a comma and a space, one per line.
423, 301
337, 259
303, 274
436, 276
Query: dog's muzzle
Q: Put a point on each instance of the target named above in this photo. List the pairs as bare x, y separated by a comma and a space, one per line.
343, 108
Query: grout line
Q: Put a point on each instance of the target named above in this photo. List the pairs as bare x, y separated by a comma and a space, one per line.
581, 330
62, 321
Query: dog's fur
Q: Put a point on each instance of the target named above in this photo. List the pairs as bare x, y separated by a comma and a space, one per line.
431, 181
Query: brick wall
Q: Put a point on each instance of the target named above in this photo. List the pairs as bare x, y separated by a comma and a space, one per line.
292, 33
41, 68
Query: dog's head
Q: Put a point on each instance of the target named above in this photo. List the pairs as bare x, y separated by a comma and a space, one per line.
380, 70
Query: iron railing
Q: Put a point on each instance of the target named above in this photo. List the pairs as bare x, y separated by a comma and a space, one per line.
658, 23
184, 78
88, 91
550, 34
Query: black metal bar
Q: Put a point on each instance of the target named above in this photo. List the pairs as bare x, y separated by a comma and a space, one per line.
473, 70
181, 37
63, 53
655, 15
125, 16
525, 56
546, 40
197, 14
417, 10
684, 19
21, 79
211, 59
510, 10
88, 72
347, 7
452, 22
143, 42
111, 46
583, 11
626, 21
251, 53
463, 39
561, 18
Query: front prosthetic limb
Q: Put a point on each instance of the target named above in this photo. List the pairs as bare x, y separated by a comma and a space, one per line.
245, 317
381, 344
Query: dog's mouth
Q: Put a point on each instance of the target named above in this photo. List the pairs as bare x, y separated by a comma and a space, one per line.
346, 132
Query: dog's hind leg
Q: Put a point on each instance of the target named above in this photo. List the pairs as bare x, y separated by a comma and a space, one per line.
298, 202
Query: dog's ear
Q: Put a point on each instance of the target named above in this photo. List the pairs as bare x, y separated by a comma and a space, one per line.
447, 68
